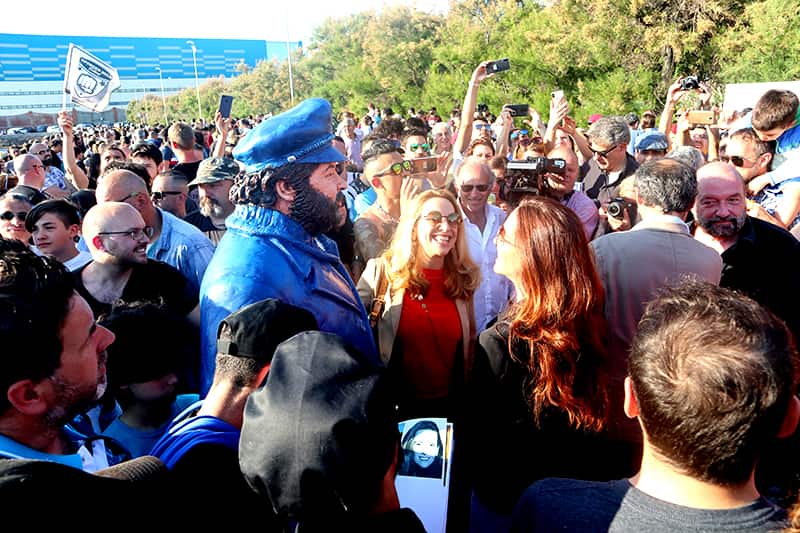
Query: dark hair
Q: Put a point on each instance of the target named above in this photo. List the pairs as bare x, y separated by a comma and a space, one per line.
648, 121
775, 109
378, 148
83, 200
389, 128
420, 426
148, 150
749, 136
668, 184
134, 357
498, 162
35, 294
258, 188
416, 123
713, 373
66, 212
416, 132
136, 168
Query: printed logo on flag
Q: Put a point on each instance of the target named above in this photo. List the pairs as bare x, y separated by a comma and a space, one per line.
93, 78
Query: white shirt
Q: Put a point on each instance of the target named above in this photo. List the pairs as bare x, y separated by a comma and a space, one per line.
495, 290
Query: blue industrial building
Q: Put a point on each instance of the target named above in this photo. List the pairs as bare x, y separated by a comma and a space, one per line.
32, 66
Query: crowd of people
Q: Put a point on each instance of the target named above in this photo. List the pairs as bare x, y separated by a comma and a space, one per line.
255, 306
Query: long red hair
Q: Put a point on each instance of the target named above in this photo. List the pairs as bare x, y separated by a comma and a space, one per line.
558, 328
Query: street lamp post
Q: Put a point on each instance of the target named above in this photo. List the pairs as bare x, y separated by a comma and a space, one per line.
163, 100
196, 80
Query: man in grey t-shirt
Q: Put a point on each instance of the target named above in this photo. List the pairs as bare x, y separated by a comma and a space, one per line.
711, 381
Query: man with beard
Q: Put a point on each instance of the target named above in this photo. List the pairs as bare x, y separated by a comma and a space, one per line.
275, 246
120, 270
214, 179
759, 259
54, 363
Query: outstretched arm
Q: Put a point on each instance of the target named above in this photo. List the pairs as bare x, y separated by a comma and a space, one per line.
72, 171
468, 109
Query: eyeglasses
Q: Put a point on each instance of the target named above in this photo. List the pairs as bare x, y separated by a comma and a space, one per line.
436, 217
482, 127
414, 147
519, 133
603, 153
37, 165
157, 196
40, 152
135, 234
468, 188
396, 168
737, 160
131, 195
8, 215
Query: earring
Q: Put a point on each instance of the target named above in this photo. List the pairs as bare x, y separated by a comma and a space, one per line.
76, 239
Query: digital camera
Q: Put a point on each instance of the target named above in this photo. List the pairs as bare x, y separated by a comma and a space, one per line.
617, 206
525, 177
690, 83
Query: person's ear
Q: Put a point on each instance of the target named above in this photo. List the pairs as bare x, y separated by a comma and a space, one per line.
97, 242
74, 232
285, 191
630, 405
764, 160
791, 418
28, 397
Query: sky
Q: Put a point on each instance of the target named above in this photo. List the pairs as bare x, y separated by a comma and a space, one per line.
293, 20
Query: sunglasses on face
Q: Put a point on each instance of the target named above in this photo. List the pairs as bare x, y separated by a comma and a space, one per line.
8, 215
481, 188
414, 147
605, 153
160, 195
436, 217
519, 133
397, 169
737, 161
483, 127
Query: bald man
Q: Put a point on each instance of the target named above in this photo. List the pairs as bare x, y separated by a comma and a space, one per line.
170, 190
120, 270
174, 241
759, 258
30, 172
482, 221
562, 188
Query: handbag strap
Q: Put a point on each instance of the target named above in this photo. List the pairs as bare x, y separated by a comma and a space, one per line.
378, 300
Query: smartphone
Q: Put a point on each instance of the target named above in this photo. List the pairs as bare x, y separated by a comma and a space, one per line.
497, 66
225, 103
555, 95
424, 164
699, 116
518, 110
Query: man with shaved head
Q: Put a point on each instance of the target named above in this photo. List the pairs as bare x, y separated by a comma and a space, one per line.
759, 258
30, 173
117, 237
562, 188
54, 178
173, 241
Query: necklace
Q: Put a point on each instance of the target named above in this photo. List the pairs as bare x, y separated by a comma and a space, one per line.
388, 215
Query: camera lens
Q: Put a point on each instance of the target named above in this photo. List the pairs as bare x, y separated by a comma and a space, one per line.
615, 209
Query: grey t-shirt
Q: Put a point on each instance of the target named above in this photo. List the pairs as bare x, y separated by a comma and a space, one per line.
587, 506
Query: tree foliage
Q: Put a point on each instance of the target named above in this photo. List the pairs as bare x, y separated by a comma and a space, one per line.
609, 56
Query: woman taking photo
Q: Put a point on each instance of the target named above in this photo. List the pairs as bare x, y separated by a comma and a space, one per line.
538, 383
426, 329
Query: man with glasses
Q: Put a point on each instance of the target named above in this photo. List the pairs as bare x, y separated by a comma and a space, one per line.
120, 270
30, 174
275, 244
54, 178
174, 241
474, 181
384, 169
608, 141
752, 157
170, 190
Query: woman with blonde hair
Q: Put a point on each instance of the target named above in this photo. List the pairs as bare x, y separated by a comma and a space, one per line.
538, 383
426, 328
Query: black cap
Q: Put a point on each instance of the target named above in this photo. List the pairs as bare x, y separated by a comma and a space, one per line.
255, 330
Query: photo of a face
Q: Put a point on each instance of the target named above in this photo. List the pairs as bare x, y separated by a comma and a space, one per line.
423, 450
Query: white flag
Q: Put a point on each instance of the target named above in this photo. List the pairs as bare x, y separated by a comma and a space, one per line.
89, 80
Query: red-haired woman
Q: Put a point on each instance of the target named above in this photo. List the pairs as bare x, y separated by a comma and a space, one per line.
538, 382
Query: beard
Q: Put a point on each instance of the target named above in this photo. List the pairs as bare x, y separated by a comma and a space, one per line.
209, 207
72, 401
313, 210
722, 226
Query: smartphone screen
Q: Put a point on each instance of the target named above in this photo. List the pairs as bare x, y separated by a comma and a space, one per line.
225, 103
424, 164
518, 110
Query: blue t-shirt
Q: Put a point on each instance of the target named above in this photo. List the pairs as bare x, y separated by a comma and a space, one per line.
140, 442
